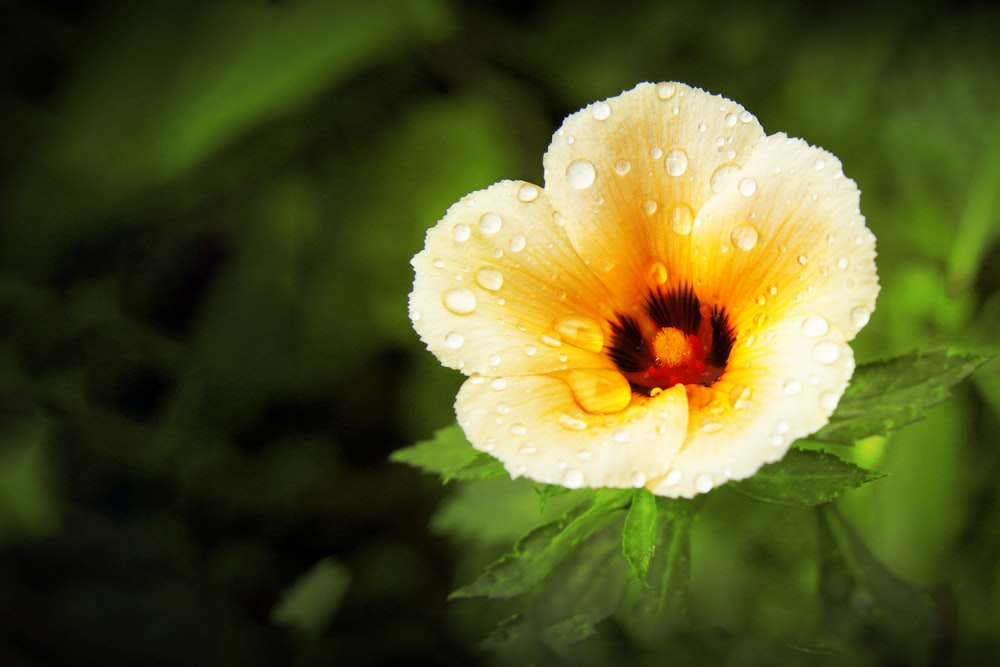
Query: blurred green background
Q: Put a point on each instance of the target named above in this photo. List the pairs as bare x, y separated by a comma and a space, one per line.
207, 215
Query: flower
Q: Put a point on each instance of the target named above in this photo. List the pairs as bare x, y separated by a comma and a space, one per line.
671, 311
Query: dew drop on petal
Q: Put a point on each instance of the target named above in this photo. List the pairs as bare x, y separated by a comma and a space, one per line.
657, 273
819, 164
454, 340
621, 435
792, 387
746, 116
681, 219
649, 206
622, 167
489, 279
503, 409
530, 350
494, 360
460, 301
744, 236
656, 152
573, 479
826, 352
665, 91
703, 483
842, 263
490, 223
815, 326
527, 193
461, 232
677, 162
739, 396
711, 427
860, 316
551, 338
580, 331
638, 480
600, 110
572, 423
583, 455
747, 186
498, 384
438, 263
527, 451
581, 174
828, 400
517, 243
802, 260
518, 429
721, 175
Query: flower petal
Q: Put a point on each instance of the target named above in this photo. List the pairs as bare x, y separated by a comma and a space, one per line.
785, 238
630, 173
536, 427
499, 289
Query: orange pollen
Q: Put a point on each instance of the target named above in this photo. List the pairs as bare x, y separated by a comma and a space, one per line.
673, 348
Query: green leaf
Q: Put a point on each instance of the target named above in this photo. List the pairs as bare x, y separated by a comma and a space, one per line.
547, 492
310, 603
863, 599
805, 477
639, 534
538, 553
483, 466
887, 395
448, 454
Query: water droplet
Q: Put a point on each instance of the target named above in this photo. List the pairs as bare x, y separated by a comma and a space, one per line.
460, 301
517, 243
673, 477
649, 206
746, 116
622, 167
583, 455
677, 162
527, 193
530, 350
761, 299
777, 440
498, 384
607, 264
703, 483
621, 435
681, 219
665, 91
744, 236
503, 409
638, 480
721, 175
782, 427
550, 338
792, 387
802, 259
580, 331
729, 120
842, 263
747, 186
711, 427
829, 400
416, 315
438, 263
598, 391
489, 279
454, 340
815, 326
819, 164
527, 451
657, 273
572, 423
826, 352
760, 319
739, 396
656, 152
518, 429
702, 127
860, 316
573, 479
490, 223
600, 110
581, 174
461, 232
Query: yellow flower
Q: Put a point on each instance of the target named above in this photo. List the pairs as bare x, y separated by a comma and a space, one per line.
671, 310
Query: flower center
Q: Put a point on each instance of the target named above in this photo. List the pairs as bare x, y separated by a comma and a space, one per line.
673, 339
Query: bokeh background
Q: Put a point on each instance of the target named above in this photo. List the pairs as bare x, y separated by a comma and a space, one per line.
207, 215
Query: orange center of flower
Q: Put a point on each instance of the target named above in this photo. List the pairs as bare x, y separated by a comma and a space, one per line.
673, 339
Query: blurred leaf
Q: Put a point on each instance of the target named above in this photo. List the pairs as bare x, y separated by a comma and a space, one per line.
310, 603
639, 534
865, 603
804, 477
887, 395
450, 455
547, 492
27, 505
538, 553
